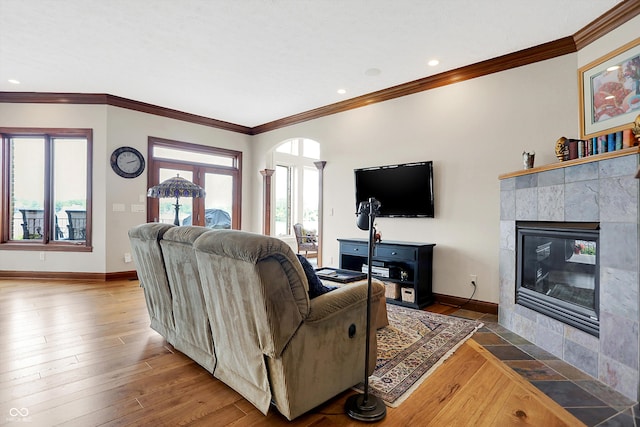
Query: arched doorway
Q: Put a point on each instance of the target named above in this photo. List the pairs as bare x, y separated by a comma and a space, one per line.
296, 195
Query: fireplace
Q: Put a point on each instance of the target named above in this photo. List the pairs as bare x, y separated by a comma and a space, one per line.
557, 271
603, 195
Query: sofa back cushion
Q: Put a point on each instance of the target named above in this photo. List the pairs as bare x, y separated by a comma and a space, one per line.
273, 278
193, 331
147, 255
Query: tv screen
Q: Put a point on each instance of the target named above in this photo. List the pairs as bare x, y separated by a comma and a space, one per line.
404, 190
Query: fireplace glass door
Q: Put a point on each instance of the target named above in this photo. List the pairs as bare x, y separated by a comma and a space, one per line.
558, 273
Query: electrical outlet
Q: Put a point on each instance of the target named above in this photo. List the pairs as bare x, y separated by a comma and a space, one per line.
473, 279
41, 256
127, 257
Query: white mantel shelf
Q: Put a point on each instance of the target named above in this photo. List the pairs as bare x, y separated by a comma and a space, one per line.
567, 163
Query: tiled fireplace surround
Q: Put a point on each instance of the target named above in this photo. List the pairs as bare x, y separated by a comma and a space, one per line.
603, 191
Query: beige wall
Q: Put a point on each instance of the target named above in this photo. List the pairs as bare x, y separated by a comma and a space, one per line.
473, 131
65, 116
112, 127
608, 43
126, 127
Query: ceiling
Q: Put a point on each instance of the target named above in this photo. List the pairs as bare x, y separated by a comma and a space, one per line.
250, 62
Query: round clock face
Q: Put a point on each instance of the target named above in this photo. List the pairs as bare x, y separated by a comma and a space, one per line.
127, 162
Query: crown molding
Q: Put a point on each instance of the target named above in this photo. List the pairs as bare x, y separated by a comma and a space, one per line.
609, 21
602, 25
117, 101
502, 63
178, 115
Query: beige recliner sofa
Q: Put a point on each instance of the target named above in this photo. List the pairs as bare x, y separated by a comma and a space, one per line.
270, 342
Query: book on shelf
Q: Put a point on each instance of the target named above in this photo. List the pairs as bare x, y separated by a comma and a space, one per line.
619, 140
611, 142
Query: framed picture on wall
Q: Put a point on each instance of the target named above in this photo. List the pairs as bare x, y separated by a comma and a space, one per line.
610, 91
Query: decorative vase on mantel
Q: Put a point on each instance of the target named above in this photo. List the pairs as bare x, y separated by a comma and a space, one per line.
636, 129
562, 150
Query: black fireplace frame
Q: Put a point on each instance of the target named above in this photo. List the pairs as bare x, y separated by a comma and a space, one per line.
571, 314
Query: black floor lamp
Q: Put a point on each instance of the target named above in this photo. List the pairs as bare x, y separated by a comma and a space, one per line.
367, 407
176, 187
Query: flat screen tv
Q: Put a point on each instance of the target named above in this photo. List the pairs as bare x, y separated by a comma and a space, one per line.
404, 190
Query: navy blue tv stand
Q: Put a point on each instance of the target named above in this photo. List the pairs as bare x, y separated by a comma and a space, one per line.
414, 259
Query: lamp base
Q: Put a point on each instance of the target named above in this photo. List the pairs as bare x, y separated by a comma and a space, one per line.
176, 220
371, 411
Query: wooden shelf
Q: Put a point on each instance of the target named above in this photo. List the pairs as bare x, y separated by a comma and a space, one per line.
567, 163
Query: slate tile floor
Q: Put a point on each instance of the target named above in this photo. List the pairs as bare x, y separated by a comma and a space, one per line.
587, 399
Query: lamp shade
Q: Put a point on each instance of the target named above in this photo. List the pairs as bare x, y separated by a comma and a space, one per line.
176, 187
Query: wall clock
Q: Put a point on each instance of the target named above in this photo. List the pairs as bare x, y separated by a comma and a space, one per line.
127, 162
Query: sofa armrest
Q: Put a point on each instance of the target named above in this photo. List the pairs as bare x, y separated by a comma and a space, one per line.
334, 302
327, 354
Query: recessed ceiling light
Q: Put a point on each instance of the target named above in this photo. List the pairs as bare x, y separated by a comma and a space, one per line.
14, 81
373, 72
433, 62
342, 91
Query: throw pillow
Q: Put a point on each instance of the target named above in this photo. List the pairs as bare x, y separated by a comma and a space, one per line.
305, 236
308, 236
316, 287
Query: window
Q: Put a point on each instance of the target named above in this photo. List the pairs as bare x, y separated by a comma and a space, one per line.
46, 189
216, 170
296, 185
283, 215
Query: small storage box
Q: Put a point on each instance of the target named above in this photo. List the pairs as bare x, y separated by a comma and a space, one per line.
408, 295
391, 290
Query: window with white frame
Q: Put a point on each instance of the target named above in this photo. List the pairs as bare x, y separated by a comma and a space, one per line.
295, 185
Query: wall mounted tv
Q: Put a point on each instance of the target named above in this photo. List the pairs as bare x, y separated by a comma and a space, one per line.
404, 190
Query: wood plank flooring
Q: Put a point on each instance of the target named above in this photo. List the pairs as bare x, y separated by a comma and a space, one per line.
82, 354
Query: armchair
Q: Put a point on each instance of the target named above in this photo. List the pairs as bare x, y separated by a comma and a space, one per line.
307, 241
32, 223
77, 224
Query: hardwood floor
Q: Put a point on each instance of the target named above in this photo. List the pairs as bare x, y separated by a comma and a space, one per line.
82, 354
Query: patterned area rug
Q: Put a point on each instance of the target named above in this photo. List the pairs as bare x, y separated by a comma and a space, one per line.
413, 345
